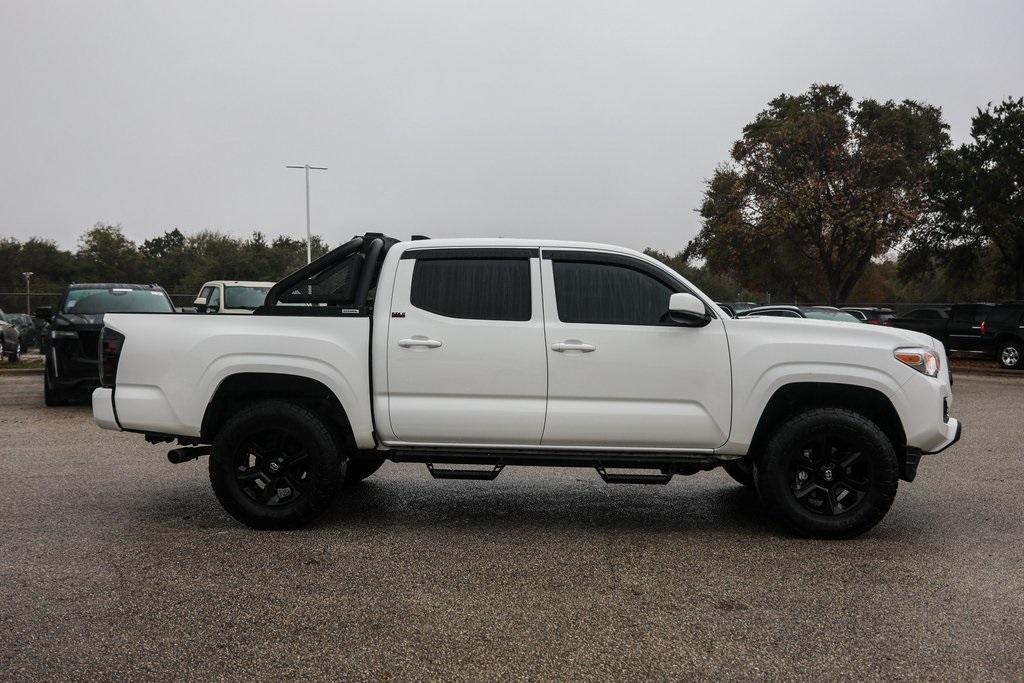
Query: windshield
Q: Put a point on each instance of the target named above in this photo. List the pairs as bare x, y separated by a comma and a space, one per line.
245, 297
827, 314
116, 300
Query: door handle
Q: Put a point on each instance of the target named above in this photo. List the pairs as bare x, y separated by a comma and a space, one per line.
418, 340
573, 345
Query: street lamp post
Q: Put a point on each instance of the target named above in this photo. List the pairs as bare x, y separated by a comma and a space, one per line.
28, 292
309, 236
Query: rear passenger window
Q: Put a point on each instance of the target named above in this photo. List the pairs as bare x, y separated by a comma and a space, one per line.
475, 288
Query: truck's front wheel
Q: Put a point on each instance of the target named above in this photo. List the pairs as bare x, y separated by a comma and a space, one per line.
828, 473
275, 464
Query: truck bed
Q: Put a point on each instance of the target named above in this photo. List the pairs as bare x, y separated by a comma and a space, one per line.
172, 364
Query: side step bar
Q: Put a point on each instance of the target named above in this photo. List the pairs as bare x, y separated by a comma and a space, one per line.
612, 478
455, 473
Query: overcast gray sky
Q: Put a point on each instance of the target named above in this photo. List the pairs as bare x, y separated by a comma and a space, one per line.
579, 120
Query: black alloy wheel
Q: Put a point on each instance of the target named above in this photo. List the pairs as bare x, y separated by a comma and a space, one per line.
828, 473
830, 476
272, 467
276, 464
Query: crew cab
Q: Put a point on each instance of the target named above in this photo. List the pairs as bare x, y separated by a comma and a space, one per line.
470, 355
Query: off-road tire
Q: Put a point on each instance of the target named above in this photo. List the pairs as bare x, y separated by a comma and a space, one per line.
1011, 355
15, 355
740, 470
324, 471
359, 469
777, 473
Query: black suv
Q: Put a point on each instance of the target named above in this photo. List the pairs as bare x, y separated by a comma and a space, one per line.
958, 328
1003, 334
71, 340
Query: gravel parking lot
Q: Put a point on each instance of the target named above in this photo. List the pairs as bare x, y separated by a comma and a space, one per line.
118, 564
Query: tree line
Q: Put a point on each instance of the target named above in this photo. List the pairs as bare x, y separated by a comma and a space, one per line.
179, 262
822, 198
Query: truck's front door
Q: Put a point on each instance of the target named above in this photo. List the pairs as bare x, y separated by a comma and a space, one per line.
619, 372
466, 355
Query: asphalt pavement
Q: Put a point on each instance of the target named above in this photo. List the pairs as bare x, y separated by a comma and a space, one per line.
116, 564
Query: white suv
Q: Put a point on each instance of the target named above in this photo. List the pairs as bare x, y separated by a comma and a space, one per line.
235, 297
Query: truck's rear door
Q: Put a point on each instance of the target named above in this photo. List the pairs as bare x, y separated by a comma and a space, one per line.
465, 347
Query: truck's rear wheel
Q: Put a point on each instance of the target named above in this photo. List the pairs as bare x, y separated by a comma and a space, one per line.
828, 473
275, 465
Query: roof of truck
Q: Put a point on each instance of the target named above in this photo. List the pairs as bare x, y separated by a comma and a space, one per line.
509, 242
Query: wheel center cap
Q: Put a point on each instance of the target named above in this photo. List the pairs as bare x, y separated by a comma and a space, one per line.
274, 467
828, 474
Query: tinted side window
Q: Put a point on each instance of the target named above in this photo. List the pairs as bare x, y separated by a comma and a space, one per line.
1005, 315
963, 314
605, 293
924, 314
476, 288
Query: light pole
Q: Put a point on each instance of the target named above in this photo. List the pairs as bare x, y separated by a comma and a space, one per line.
28, 292
309, 236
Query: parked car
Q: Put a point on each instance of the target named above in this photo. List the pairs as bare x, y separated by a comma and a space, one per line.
500, 352
71, 338
1003, 334
812, 312
870, 314
740, 306
27, 328
10, 340
231, 296
727, 308
959, 328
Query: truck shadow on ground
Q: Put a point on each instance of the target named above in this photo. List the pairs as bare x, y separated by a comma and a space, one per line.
553, 505
562, 503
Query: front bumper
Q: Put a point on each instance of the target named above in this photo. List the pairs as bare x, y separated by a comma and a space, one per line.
958, 429
103, 409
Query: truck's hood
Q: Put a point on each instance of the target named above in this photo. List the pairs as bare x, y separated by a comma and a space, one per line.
847, 332
78, 320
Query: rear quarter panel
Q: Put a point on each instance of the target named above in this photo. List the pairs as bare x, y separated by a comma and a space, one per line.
171, 365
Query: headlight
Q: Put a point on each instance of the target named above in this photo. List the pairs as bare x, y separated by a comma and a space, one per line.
921, 359
63, 334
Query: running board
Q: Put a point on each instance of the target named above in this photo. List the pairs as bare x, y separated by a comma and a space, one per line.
454, 473
612, 478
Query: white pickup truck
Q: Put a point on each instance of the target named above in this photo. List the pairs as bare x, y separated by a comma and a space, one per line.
469, 355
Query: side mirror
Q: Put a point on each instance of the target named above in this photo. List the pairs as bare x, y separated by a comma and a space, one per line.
200, 304
45, 313
687, 310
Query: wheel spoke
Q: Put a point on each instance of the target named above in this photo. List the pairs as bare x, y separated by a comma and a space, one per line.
293, 485
802, 492
850, 459
251, 474
833, 503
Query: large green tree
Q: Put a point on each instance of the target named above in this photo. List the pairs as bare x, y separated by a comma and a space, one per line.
817, 187
978, 201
